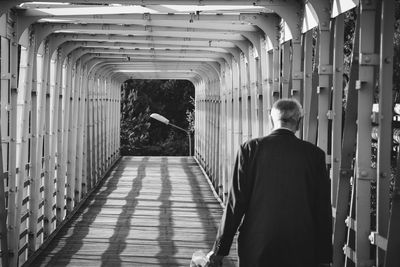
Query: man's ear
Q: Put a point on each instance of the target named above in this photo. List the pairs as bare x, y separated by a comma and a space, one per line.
272, 121
298, 124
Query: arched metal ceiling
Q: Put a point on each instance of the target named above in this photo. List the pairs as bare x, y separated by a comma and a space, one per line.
128, 36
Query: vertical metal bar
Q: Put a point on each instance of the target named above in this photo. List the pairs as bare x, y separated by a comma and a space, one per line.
253, 93
337, 104
12, 186
63, 153
112, 120
199, 127
276, 93
47, 180
244, 98
285, 65
49, 165
271, 90
3, 212
90, 140
217, 140
53, 133
42, 82
202, 124
214, 143
207, 115
108, 115
296, 89
204, 114
264, 88
259, 102
93, 130
364, 172
24, 105
307, 84
324, 71
217, 150
196, 110
393, 245
85, 181
210, 143
104, 113
35, 181
72, 139
100, 125
59, 137
88, 134
223, 131
350, 244
119, 122
60, 182
4, 95
96, 148
230, 126
79, 142
237, 126
346, 165
385, 122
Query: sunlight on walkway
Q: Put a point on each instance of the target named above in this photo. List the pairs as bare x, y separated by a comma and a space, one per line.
151, 211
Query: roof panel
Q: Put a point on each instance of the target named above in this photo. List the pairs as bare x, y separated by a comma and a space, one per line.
95, 10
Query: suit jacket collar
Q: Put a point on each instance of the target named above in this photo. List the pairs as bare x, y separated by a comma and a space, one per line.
282, 131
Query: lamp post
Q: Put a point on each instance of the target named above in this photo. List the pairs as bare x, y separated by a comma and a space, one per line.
164, 120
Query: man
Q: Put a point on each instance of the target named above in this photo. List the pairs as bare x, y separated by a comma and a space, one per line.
279, 198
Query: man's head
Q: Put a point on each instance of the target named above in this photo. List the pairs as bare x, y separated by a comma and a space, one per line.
286, 113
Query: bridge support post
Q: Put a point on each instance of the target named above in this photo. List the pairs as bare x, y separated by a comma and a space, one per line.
12, 184
4, 135
309, 92
385, 139
23, 107
245, 107
337, 104
364, 173
285, 64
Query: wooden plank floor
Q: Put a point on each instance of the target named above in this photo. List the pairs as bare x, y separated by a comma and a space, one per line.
150, 211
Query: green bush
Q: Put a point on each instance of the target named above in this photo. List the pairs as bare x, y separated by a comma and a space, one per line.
141, 135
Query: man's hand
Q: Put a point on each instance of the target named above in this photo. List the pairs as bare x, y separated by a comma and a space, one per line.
214, 259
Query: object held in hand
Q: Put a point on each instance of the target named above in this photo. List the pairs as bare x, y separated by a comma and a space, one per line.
199, 259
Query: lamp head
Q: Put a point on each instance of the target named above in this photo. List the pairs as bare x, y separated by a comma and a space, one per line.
159, 118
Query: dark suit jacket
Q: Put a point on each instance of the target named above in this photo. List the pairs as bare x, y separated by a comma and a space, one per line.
279, 198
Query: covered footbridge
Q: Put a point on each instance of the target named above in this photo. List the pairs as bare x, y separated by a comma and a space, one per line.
62, 67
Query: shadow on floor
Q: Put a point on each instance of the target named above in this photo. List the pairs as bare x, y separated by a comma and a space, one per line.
117, 242
166, 227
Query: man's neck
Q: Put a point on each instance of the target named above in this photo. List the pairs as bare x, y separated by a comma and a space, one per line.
283, 127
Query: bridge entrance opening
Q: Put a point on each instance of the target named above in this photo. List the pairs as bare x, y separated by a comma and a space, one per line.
143, 136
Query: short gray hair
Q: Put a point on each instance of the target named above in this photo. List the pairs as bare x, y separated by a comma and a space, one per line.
287, 110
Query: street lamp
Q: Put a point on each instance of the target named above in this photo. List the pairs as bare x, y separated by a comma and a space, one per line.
164, 120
